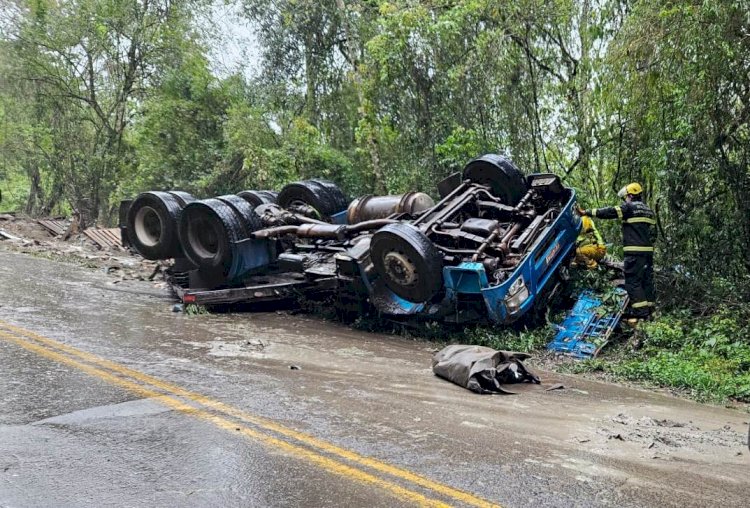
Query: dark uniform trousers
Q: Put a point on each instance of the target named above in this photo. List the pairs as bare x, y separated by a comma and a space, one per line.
639, 282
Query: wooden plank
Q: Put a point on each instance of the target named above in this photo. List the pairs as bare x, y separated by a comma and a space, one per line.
104, 238
55, 227
113, 234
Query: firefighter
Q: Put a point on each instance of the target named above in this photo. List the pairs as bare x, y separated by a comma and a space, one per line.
590, 246
638, 235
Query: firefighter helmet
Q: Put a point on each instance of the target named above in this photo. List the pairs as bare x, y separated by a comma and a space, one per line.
634, 189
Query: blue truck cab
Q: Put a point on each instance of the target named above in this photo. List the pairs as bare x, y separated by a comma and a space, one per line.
541, 237
507, 301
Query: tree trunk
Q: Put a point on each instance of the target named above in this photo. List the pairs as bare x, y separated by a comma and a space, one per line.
310, 82
353, 57
581, 89
35, 190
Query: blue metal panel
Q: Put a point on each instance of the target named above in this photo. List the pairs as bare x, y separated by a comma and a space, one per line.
407, 306
467, 278
248, 255
390, 302
584, 331
339, 218
493, 299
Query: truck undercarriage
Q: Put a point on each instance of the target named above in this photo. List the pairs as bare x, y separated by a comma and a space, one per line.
487, 250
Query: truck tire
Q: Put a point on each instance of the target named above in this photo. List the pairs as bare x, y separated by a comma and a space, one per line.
409, 263
312, 194
500, 174
337, 196
182, 197
260, 197
244, 211
207, 230
152, 224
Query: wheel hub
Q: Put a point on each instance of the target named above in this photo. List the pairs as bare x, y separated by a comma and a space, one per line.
400, 269
203, 238
303, 208
148, 226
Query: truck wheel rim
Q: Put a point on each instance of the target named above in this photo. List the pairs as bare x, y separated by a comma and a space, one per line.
148, 226
400, 269
203, 238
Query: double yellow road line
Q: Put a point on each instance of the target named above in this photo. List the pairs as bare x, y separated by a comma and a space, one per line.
401, 483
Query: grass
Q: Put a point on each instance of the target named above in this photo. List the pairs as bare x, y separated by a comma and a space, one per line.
192, 309
705, 358
523, 340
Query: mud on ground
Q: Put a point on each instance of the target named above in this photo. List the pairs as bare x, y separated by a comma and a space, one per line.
119, 263
125, 267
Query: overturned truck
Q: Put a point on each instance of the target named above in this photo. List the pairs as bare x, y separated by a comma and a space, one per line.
490, 249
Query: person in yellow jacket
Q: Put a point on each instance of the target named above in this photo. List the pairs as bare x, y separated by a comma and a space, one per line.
590, 248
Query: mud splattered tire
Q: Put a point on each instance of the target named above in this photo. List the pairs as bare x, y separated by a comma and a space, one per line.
337, 196
152, 225
257, 198
244, 211
408, 262
311, 194
207, 230
500, 174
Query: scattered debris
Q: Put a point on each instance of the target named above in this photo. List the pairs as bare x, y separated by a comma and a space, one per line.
54, 226
46, 237
7, 236
669, 436
104, 238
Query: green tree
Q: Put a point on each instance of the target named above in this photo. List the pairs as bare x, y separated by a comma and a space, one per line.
683, 90
90, 63
178, 132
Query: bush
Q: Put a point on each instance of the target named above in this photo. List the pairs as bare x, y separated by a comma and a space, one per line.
707, 356
509, 339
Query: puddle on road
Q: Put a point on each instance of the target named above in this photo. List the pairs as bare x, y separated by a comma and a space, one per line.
140, 407
240, 348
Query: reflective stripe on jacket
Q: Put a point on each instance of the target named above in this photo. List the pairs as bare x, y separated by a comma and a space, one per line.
638, 225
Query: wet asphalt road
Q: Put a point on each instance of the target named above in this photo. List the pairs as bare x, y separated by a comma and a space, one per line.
110, 399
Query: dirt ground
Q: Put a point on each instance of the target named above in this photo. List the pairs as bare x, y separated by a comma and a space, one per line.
119, 263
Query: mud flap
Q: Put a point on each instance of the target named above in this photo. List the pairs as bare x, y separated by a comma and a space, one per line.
248, 255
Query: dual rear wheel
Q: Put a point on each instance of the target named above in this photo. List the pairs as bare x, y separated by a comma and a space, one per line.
152, 221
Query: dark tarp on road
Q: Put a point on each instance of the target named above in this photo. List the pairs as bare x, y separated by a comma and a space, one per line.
482, 369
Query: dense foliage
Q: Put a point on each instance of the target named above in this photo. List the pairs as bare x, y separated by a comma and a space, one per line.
100, 99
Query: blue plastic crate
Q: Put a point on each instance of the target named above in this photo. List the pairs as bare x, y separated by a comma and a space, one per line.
584, 332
